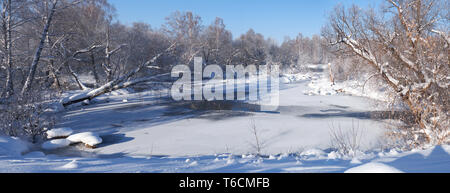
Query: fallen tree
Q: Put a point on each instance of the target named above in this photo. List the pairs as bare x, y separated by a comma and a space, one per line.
118, 83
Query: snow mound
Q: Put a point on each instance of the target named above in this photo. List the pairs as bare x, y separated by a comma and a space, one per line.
87, 138
72, 165
120, 92
321, 85
312, 152
373, 168
55, 144
54, 107
291, 78
12, 146
60, 132
194, 163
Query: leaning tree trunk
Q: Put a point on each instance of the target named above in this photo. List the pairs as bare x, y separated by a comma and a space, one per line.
76, 77
118, 83
37, 55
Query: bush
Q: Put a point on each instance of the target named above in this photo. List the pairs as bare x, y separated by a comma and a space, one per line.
25, 117
347, 143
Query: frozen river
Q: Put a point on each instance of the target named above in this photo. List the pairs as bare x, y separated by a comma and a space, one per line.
147, 124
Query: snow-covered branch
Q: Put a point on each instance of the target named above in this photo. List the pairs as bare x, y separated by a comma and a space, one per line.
443, 35
118, 83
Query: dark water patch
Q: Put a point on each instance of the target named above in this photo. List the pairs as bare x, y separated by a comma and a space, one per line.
213, 110
222, 115
217, 106
143, 120
293, 109
375, 115
332, 110
112, 139
76, 150
341, 107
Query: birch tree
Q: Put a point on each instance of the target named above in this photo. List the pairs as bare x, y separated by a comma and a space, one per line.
7, 46
217, 43
185, 28
37, 56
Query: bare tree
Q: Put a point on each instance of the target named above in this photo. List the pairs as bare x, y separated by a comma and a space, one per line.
217, 43
185, 28
107, 65
13, 17
37, 55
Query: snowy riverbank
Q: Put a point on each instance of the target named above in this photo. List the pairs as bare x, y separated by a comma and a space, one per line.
147, 132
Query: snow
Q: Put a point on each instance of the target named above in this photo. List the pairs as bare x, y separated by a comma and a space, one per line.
148, 133
313, 152
355, 161
436, 159
292, 78
59, 132
55, 144
88, 138
35, 154
177, 131
432, 160
333, 155
194, 163
54, 107
321, 85
373, 168
72, 165
10, 146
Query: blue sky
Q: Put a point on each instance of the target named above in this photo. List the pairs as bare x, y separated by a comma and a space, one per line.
271, 18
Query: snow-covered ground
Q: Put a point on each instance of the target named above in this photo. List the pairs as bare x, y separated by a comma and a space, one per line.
147, 132
320, 84
436, 159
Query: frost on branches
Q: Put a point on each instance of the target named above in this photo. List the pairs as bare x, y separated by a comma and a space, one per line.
410, 55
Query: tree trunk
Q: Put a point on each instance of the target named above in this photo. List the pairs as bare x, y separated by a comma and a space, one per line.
94, 70
37, 55
6, 14
118, 83
56, 82
109, 87
77, 79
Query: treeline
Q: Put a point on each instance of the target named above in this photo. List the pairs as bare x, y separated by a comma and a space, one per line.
48, 44
49, 47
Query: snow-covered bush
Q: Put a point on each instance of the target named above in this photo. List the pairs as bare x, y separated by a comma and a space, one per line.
55, 144
25, 117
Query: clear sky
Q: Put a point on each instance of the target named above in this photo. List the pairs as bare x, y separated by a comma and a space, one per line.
272, 18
